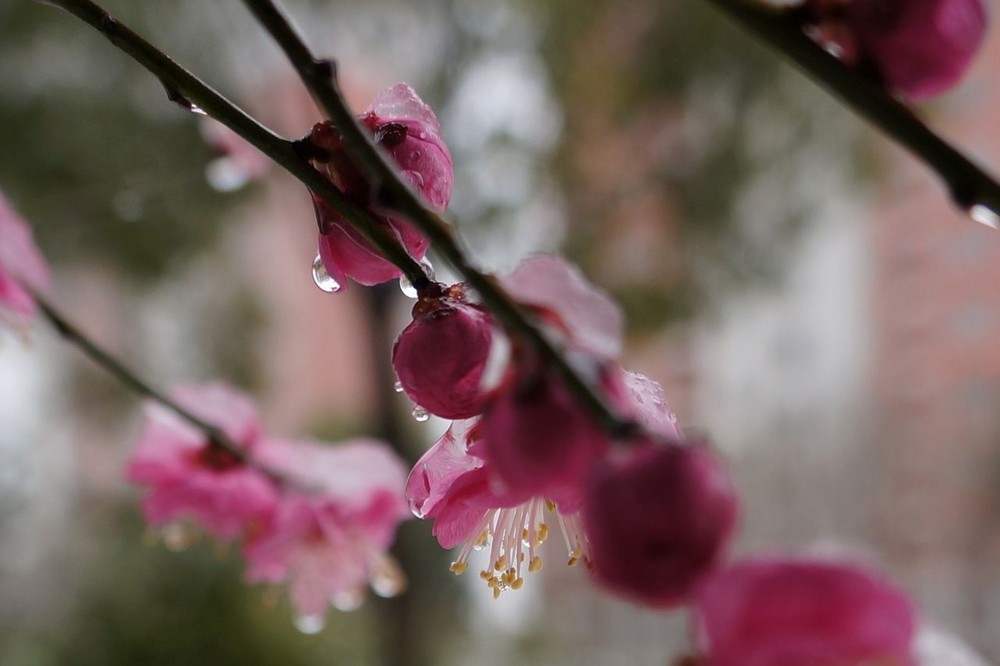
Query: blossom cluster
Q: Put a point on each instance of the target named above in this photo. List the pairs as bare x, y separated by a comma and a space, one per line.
917, 48
315, 516
22, 268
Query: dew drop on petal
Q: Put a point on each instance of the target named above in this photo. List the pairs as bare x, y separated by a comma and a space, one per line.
177, 537
985, 215
398, 386
309, 624
224, 175
348, 600
323, 279
386, 578
407, 287
428, 267
420, 415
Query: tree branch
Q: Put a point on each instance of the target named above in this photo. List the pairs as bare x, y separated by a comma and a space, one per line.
968, 185
320, 77
189, 91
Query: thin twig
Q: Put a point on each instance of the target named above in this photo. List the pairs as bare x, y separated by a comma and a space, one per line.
188, 90
69, 332
968, 185
320, 77
214, 434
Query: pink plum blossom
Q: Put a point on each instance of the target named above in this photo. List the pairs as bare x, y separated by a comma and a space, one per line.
919, 47
407, 129
455, 484
22, 267
451, 485
803, 612
190, 478
540, 439
658, 515
441, 355
328, 541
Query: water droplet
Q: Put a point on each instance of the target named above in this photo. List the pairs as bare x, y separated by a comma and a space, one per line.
985, 215
197, 110
420, 415
386, 578
398, 386
323, 279
416, 510
177, 537
428, 267
407, 287
224, 175
348, 600
423, 135
309, 624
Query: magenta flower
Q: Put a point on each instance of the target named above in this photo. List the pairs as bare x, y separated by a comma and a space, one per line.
455, 484
21, 267
440, 357
920, 47
539, 438
329, 540
658, 516
408, 131
806, 612
451, 484
190, 478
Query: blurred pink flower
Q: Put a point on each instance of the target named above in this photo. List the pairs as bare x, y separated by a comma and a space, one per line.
21, 265
330, 540
658, 515
540, 439
190, 478
456, 485
407, 129
803, 612
441, 355
238, 162
920, 47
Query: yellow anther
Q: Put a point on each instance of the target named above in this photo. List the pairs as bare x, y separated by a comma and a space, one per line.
517, 584
485, 575
483, 538
543, 532
535, 564
496, 592
524, 534
501, 563
550, 505
458, 567
574, 558
520, 557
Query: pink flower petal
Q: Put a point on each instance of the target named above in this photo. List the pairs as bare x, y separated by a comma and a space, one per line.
813, 612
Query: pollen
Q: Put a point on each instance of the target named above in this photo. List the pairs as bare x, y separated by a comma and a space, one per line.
513, 536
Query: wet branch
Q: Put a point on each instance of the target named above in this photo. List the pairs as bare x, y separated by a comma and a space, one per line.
320, 77
968, 185
189, 91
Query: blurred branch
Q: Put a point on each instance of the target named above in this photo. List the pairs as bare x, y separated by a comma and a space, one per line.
190, 92
969, 185
320, 77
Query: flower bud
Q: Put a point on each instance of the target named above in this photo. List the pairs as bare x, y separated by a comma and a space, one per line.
657, 516
920, 47
773, 612
440, 357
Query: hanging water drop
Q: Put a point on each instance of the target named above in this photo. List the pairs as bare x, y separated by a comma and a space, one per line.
985, 215
386, 578
323, 279
407, 287
420, 415
309, 624
398, 386
428, 267
177, 537
348, 600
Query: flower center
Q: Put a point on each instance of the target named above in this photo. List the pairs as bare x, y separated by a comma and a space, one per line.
514, 535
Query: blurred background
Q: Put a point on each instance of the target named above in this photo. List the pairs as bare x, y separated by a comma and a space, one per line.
801, 288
